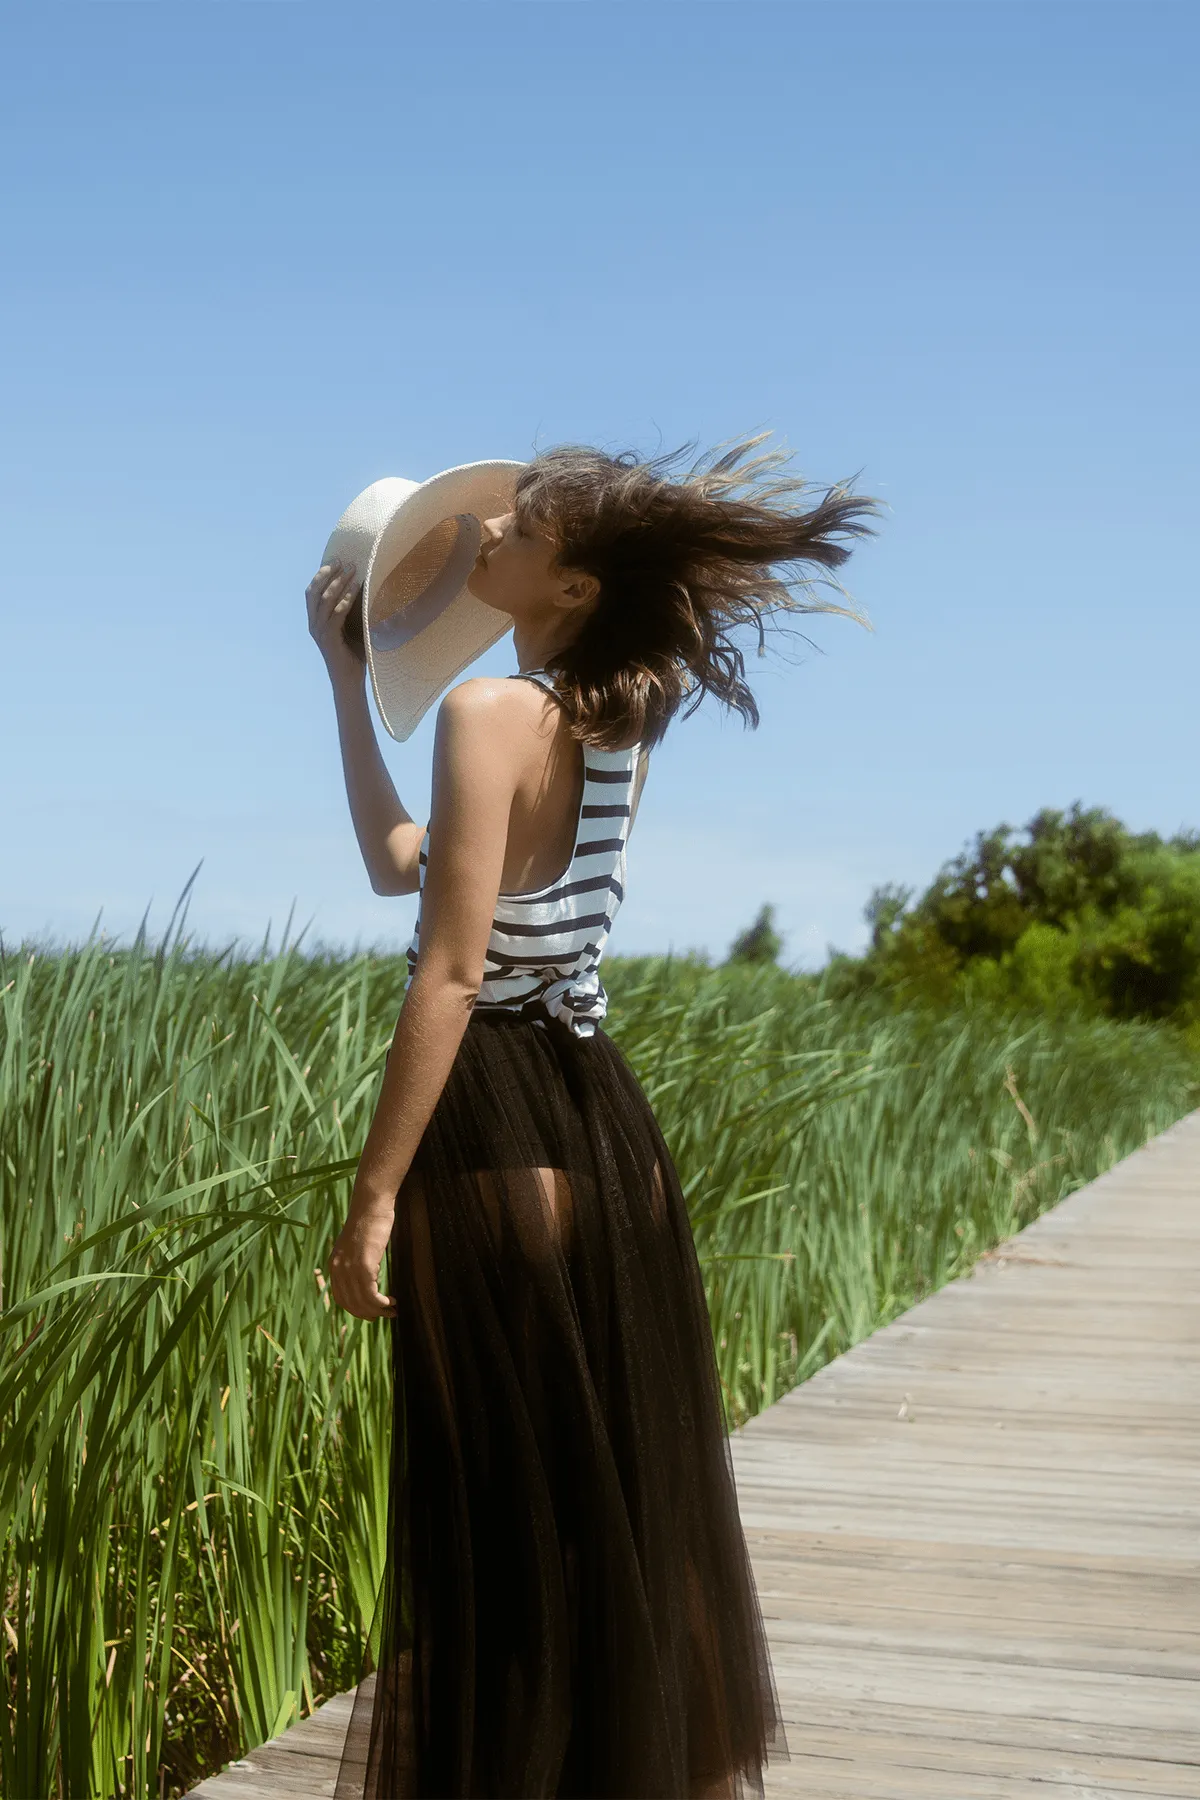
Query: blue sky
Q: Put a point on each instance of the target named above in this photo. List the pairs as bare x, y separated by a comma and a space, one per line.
267, 253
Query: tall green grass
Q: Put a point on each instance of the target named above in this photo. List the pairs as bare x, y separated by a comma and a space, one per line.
842, 1160
193, 1475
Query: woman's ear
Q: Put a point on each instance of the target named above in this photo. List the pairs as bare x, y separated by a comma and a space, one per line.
579, 589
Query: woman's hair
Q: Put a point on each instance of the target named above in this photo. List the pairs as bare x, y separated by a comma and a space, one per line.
681, 563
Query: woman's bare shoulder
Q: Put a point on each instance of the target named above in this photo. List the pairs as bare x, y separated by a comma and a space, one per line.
500, 703
496, 697
498, 713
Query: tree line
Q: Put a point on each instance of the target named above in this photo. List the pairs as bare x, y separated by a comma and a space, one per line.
1072, 909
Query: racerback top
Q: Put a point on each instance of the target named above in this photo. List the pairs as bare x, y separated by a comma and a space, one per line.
545, 946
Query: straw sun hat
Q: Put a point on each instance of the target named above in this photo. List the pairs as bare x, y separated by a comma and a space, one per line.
413, 545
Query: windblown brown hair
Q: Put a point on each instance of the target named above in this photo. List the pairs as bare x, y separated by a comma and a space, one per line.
681, 563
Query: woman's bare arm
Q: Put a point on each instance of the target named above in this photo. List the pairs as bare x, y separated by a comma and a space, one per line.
388, 836
482, 735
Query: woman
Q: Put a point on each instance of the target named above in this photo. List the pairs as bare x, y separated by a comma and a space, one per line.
568, 1607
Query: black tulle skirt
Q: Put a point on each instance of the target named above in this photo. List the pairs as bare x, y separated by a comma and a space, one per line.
568, 1607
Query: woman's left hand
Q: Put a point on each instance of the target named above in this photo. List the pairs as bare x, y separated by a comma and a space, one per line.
357, 1257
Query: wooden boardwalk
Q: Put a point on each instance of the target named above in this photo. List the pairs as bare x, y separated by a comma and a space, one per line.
976, 1535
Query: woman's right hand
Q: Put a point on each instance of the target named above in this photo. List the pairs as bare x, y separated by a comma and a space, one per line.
330, 595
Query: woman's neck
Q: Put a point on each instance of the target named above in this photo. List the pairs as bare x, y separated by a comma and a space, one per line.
536, 639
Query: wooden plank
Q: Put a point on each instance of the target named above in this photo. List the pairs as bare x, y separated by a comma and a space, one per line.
999, 1593
966, 1732
975, 1535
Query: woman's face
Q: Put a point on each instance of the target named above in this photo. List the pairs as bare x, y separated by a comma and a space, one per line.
515, 571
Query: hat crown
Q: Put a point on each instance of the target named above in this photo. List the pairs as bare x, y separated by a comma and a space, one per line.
364, 519
413, 544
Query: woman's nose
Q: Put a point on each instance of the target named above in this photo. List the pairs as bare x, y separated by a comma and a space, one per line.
493, 531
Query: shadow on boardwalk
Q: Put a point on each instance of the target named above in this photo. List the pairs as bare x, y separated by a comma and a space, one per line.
975, 1534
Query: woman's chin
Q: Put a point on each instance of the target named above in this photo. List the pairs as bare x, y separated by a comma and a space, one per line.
481, 593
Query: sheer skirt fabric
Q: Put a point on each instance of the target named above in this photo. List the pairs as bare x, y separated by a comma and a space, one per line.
567, 1607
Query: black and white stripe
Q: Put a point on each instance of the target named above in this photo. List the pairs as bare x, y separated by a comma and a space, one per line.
547, 944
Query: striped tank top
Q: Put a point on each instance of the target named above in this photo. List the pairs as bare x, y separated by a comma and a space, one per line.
545, 946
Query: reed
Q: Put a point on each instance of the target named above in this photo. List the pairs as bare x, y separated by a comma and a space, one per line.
194, 1465
844, 1159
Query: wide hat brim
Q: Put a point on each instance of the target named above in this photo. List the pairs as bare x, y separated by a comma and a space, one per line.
423, 630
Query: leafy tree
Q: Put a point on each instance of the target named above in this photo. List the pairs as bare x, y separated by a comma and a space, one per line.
1077, 908
884, 911
760, 942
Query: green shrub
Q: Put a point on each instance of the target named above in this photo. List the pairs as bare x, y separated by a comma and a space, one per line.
1081, 907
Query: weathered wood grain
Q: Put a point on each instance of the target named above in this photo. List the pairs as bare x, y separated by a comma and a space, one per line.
976, 1536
